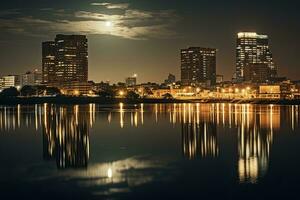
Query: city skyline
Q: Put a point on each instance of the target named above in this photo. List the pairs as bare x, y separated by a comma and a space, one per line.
144, 37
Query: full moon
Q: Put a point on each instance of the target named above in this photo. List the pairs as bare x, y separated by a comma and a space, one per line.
108, 23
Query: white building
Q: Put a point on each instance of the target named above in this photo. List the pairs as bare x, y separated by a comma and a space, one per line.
11, 81
31, 78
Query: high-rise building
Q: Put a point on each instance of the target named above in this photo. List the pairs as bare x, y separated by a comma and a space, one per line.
71, 60
48, 62
252, 48
65, 60
198, 66
131, 81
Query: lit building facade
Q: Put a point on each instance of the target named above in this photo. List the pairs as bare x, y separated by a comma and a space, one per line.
48, 62
31, 78
131, 81
269, 91
252, 48
11, 81
198, 66
65, 60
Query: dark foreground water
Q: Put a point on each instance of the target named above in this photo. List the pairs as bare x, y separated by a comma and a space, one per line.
160, 151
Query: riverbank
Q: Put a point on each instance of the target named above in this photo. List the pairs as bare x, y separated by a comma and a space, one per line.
99, 100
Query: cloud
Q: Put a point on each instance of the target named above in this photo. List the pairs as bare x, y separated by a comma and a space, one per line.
9, 12
112, 5
100, 4
129, 23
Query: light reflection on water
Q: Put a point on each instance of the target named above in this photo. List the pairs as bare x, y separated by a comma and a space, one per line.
66, 135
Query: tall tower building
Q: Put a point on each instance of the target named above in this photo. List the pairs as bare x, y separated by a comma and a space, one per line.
71, 59
65, 60
198, 66
252, 48
48, 62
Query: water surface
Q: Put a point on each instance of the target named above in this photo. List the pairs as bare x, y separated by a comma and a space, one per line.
165, 151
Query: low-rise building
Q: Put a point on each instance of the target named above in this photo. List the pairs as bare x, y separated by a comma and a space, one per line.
76, 88
31, 78
269, 92
11, 81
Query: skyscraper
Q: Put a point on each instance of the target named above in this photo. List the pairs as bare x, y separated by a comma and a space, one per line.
48, 62
65, 60
71, 59
198, 66
252, 48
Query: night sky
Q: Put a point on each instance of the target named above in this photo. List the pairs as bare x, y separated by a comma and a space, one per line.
145, 36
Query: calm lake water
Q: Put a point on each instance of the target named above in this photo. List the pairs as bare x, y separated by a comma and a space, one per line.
159, 151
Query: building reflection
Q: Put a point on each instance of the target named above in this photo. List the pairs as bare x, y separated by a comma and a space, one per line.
199, 140
254, 147
66, 135
255, 141
66, 129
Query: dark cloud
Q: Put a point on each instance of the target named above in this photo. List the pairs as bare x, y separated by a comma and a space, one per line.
130, 23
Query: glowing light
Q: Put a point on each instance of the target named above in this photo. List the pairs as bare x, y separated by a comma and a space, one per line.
121, 93
109, 173
108, 24
76, 92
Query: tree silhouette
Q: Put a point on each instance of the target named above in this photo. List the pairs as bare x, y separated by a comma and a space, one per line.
10, 92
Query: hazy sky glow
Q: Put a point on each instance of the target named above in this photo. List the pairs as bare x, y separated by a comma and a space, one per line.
145, 36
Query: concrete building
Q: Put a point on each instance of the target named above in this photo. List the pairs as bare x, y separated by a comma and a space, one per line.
48, 62
76, 88
252, 48
31, 78
65, 59
198, 66
11, 81
269, 92
131, 81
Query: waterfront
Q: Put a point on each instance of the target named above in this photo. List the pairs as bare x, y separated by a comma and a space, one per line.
147, 151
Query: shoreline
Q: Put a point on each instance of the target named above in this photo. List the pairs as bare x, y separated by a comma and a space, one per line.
99, 100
